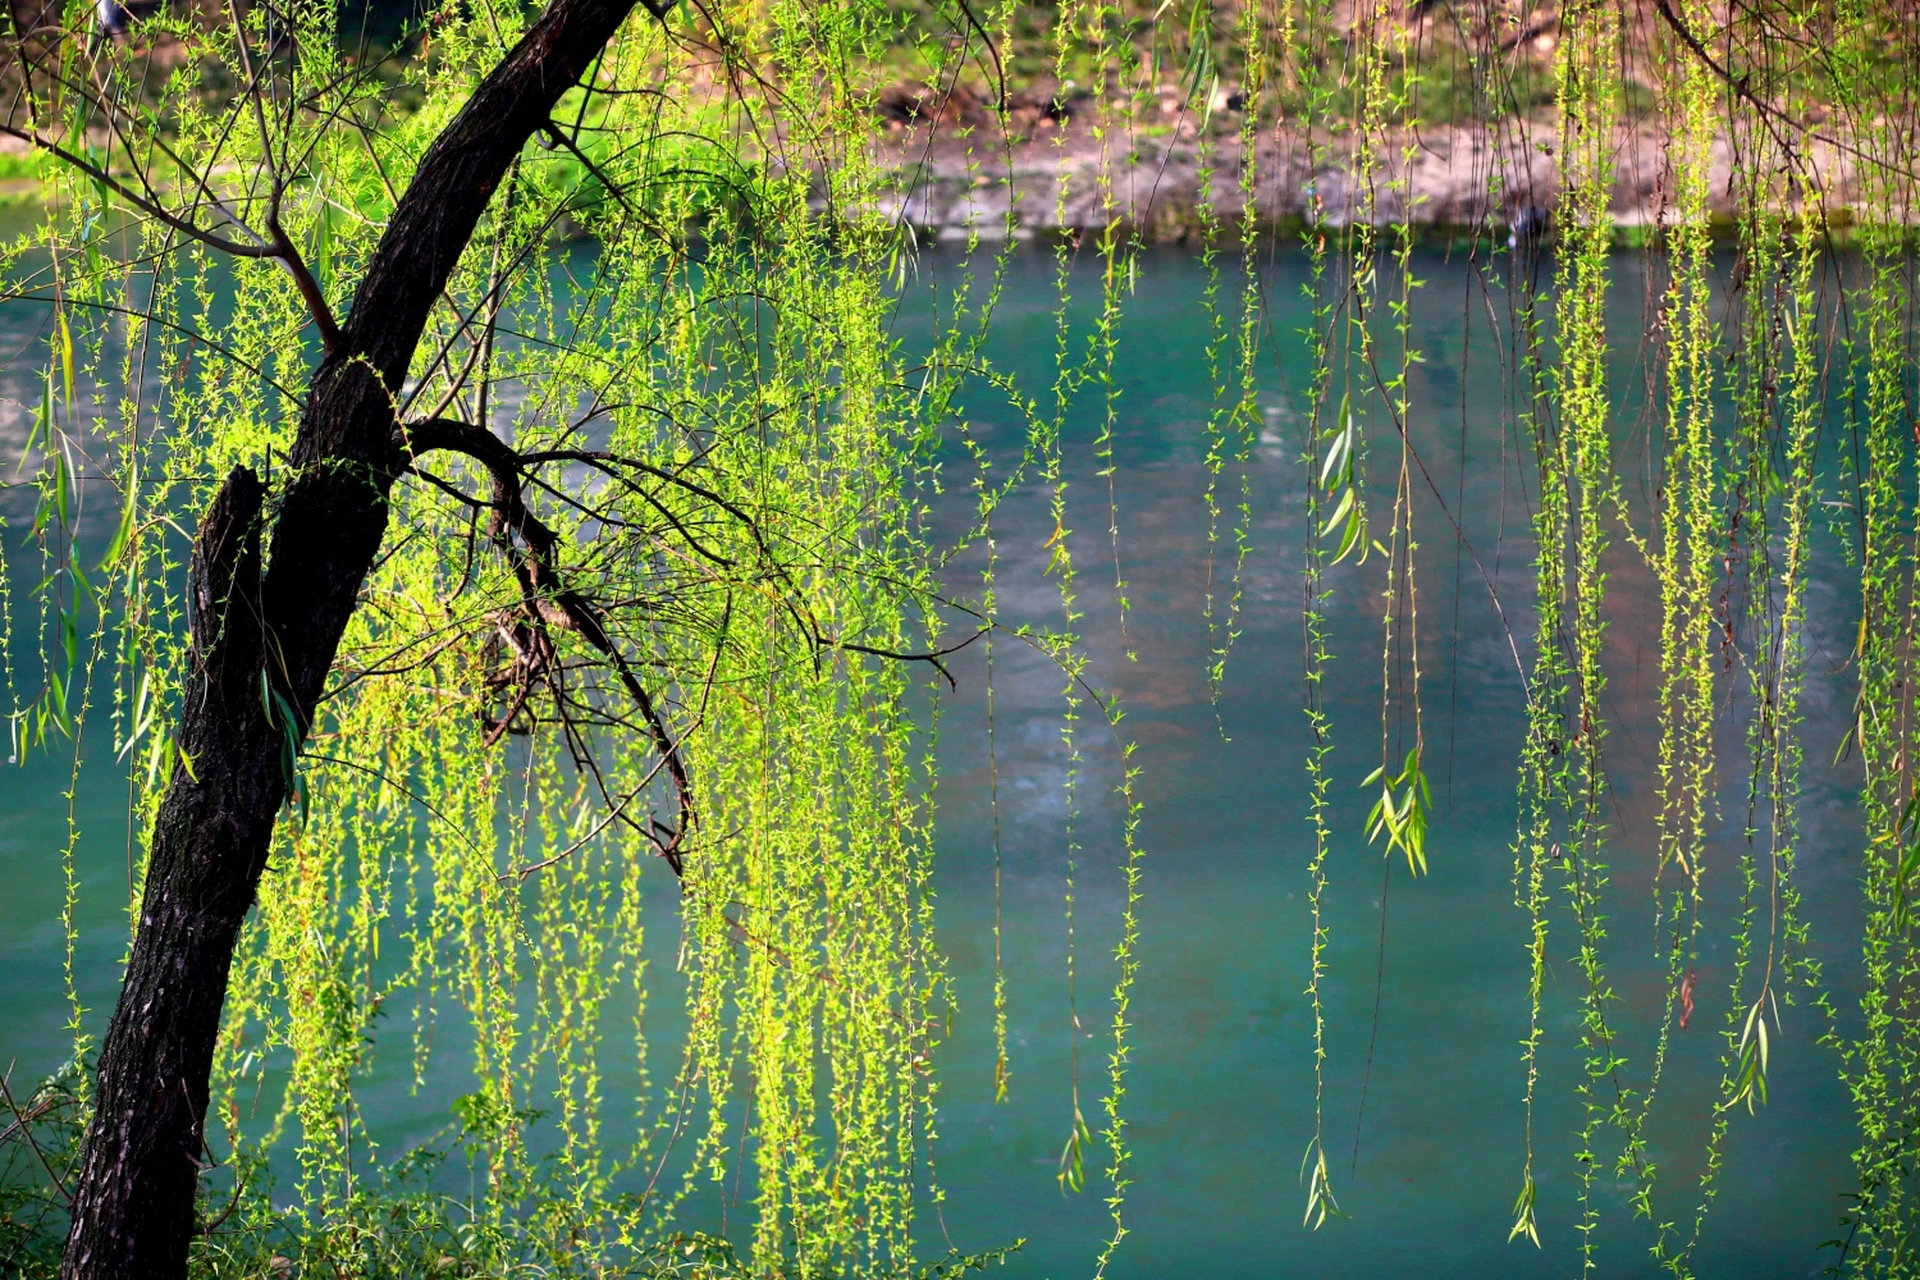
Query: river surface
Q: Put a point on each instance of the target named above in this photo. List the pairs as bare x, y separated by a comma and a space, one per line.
1426, 989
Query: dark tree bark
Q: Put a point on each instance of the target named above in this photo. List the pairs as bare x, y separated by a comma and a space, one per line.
133, 1210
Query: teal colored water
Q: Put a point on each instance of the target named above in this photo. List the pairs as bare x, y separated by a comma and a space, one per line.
1220, 1094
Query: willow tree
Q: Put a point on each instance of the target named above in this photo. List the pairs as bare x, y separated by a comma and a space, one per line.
268, 620
459, 521
518, 573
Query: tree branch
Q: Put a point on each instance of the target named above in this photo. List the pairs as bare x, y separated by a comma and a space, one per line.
100, 175
546, 598
1767, 110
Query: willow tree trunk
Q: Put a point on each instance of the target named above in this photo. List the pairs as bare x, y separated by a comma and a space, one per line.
133, 1207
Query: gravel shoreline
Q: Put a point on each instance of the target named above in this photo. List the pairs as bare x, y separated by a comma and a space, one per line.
1438, 178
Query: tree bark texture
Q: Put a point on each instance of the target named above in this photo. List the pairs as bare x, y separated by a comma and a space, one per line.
133, 1208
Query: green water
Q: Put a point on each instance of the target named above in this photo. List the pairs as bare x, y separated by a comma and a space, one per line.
1220, 1094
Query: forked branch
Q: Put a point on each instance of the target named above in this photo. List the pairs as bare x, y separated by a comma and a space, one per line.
547, 600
